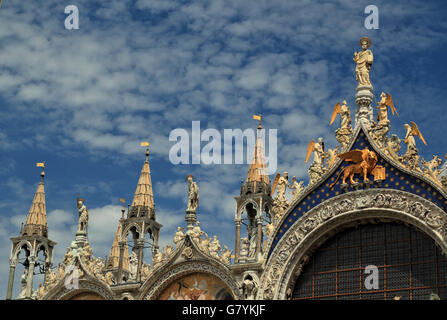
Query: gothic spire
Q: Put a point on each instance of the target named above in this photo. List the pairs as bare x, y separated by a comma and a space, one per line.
143, 194
113, 260
36, 222
257, 177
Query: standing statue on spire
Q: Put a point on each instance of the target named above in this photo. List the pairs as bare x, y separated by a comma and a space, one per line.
363, 60
193, 194
83, 216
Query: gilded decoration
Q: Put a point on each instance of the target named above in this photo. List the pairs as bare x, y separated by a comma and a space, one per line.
197, 286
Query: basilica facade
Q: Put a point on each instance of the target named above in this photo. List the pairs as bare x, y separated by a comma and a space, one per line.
372, 206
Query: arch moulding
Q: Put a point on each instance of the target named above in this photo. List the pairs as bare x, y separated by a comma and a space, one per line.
320, 223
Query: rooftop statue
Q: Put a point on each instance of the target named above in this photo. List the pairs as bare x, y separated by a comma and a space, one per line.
83, 216
298, 188
345, 115
193, 194
385, 102
363, 60
342, 134
318, 149
412, 131
316, 169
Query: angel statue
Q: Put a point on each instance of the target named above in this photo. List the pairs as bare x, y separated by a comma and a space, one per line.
379, 130
280, 203
83, 216
345, 115
316, 169
331, 156
411, 157
363, 60
193, 194
342, 134
298, 188
412, 131
280, 185
385, 102
318, 149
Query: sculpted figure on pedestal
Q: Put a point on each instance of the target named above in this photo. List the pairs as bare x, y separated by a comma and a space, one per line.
83, 216
364, 60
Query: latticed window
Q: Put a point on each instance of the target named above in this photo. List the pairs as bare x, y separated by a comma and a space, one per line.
410, 265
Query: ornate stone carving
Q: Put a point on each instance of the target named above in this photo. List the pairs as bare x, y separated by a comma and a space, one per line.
430, 169
187, 253
403, 205
226, 255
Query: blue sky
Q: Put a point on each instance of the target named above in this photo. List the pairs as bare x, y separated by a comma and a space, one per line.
82, 100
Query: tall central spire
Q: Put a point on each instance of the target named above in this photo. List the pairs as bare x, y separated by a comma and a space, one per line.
257, 173
143, 194
36, 222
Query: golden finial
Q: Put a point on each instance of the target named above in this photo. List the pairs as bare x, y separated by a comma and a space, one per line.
124, 207
42, 165
258, 117
146, 144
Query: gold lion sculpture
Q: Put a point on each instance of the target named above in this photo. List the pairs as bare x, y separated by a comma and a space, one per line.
365, 163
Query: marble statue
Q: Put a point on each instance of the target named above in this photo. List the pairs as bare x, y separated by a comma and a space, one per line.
269, 228
249, 288
133, 266
331, 156
364, 60
342, 134
193, 194
226, 255
298, 188
214, 248
197, 233
281, 187
318, 149
317, 168
23, 282
245, 243
83, 216
386, 101
345, 115
179, 236
411, 157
